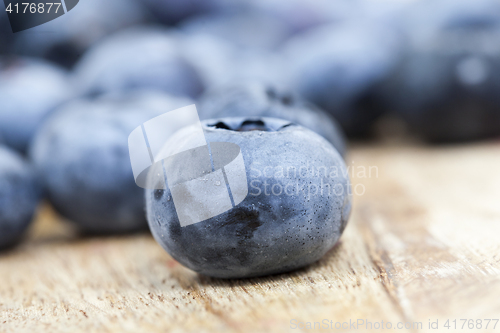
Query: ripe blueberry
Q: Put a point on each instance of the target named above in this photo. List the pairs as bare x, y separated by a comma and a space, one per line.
29, 91
447, 86
81, 152
296, 209
223, 62
137, 58
173, 11
246, 28
19, 196
339, 68
65, 39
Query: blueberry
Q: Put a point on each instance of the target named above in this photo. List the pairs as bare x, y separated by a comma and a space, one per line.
65, 39
244, 28
137, 58
223, 62
447, 86
215, 66
81, 153
6, 35
388, 13
19, 196
290, 218
301, 15
29, 91
256, 99
339, 68
174, 11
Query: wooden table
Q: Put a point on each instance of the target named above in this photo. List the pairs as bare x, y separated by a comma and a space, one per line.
422, 245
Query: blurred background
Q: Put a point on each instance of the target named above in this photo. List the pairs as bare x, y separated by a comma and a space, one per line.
431, 65
405, 86
418, 70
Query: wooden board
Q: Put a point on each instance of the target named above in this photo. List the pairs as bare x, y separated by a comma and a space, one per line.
422, 245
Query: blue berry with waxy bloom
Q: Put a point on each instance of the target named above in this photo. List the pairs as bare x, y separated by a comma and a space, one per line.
6, 35
245, 28
256, 99
82, 155
29, 91
66, 38
19, 196
447, 85
223, 62
174, 11
302, 15
339, 67
140, 58
297, 206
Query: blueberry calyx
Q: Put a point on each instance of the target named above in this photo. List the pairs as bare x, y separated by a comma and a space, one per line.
221, 125
253, 125
248, 126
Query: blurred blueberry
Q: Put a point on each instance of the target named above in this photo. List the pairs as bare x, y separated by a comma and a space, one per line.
261, 66
270, 231
301, 15
211, 56
391, 13
174, 11
6, 35
19, 196
81, 153
29, 90
137, 58
447, 87
339, 67
245, 28
255, 99
220, 62
65, 39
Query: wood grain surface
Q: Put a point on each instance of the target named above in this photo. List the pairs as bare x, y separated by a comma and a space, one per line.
422, 245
